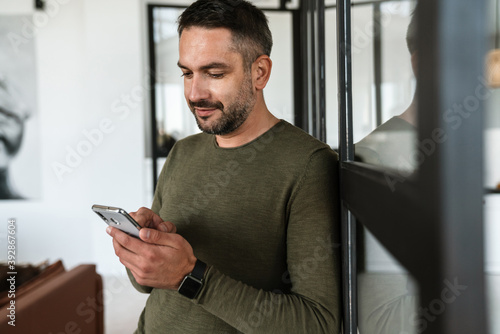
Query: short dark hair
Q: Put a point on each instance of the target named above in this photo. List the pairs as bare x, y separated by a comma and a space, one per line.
248, 24
411, 33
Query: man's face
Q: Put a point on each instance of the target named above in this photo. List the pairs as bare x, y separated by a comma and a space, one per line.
217, 87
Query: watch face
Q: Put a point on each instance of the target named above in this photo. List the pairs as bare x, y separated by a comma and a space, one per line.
190, 287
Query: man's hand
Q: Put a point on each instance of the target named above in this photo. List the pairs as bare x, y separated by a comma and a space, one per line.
161, 258
147, 218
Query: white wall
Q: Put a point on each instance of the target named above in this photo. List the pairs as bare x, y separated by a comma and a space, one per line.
90, 101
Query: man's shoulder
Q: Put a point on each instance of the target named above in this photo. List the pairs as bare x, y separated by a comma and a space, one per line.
294, 139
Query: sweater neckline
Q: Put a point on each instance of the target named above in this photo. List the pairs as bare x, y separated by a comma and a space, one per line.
273, 128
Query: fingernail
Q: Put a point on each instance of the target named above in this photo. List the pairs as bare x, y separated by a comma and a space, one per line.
163, 228
148, 233
108, 230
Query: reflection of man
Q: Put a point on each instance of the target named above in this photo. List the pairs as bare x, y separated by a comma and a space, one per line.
393, 143
242, 232
387, 299
12, 116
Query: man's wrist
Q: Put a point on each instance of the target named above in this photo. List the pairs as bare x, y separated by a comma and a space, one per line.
192, 283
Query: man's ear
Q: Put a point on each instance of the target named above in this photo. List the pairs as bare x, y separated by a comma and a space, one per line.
261, 71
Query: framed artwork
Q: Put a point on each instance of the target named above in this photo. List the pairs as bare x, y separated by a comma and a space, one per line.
20, 168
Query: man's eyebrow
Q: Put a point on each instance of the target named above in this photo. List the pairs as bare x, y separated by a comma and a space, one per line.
207, 67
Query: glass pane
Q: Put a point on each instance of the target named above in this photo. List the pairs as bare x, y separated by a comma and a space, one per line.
173, 117
384, 86
332, 134
362, 70
492, 210
385, 134
489, 91
492, 259
387, 293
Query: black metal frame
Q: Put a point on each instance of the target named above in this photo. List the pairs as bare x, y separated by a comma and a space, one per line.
309, 68
431, 223
451, 179
377, 62
152, 93
346, 153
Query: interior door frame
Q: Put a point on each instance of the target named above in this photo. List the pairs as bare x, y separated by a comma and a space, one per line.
433, 223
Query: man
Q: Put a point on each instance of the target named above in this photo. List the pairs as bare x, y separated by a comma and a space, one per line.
13, 114
243, 231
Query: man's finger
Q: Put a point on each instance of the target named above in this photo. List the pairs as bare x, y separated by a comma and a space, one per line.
128, 242
153, 236
160, 225
167, 227
146, 217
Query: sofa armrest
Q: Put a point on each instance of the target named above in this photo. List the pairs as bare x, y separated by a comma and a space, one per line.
71, 302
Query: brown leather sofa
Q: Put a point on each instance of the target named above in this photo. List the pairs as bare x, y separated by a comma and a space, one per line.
56, 301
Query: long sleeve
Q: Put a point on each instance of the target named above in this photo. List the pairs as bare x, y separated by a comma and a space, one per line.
264, 217
313, 249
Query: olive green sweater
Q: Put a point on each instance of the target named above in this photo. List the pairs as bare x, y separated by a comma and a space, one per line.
264, 217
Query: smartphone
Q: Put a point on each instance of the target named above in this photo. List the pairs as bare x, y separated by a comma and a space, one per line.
118, 218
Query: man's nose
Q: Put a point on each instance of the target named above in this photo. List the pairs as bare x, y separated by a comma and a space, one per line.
198, 89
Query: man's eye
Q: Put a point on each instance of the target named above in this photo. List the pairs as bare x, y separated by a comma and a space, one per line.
216, 75
186, 74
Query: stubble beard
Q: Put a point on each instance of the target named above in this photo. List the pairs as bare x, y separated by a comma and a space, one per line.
232, 116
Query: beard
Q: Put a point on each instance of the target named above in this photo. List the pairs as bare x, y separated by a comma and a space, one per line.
232, 116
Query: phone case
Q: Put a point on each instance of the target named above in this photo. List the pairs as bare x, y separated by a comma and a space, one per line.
118, 218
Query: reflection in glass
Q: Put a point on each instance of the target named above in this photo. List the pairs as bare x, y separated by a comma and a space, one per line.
390, 145
387, 294
393, 143
384, 117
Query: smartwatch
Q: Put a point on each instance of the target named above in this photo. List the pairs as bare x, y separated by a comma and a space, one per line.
193, 282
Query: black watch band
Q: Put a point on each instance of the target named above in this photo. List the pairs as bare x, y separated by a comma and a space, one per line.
199, 269
193, 282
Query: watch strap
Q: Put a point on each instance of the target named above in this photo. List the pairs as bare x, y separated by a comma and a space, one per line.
199, 269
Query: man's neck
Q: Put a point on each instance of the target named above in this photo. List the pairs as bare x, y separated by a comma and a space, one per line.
257, 123
410, 114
